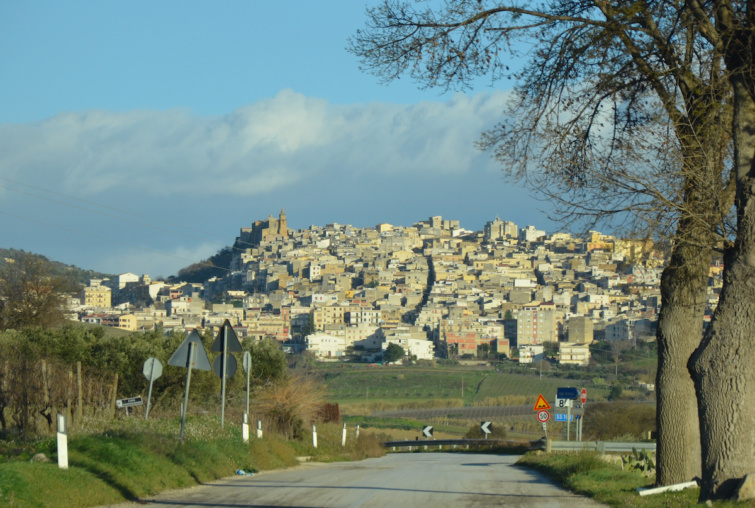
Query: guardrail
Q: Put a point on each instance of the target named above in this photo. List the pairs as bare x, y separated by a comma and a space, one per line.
451, 443
598, 446
547, 445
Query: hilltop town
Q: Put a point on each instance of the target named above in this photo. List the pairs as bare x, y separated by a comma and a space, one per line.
435, 289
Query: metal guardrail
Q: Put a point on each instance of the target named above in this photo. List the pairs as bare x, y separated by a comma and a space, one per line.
452, 443
555, 446
598, 446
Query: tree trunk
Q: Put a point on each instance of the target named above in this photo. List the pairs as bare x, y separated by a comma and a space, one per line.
722, 366
683, 293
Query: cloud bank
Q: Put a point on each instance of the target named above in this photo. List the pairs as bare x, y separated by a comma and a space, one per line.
357, 163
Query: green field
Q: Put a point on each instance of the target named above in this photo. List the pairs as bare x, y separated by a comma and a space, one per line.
363, 384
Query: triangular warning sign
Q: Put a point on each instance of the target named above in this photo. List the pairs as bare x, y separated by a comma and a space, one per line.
541, 403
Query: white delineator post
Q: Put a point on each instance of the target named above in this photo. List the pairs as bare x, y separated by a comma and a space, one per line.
357, 431
314, 436
343, 436
259, 429
245, 428
62, 442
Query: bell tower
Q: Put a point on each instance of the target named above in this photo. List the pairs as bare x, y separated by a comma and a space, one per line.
282, 226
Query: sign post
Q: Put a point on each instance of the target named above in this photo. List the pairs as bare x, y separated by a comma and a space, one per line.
153, 369
189, 354
226, 342
564, 398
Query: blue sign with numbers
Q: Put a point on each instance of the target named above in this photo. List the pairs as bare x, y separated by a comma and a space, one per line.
561, 417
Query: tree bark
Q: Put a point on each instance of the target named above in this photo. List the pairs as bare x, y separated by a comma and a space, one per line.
683, 294
722, 366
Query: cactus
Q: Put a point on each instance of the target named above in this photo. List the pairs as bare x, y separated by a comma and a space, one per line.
640, 461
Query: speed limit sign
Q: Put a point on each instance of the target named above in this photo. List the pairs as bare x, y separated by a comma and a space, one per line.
543, 416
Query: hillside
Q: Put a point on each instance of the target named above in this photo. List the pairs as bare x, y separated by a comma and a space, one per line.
77, 274
215, 266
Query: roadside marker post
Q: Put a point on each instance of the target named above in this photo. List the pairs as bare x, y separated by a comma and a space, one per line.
314, 436
62, 442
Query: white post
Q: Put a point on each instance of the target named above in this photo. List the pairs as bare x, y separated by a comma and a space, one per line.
259, 429
357, 431
314, 436
343, 436
62, 442
245, 428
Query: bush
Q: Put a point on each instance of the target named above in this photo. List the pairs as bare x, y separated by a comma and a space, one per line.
613, 420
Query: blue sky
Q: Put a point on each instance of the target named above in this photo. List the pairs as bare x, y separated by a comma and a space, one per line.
140, 136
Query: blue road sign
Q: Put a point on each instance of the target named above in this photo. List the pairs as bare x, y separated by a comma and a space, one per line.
561, 417
567, 393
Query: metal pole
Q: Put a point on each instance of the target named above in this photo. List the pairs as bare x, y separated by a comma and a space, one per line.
186, 394
149, 393
248, 372
568, 420
223, 363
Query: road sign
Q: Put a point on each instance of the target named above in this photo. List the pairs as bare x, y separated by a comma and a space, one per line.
541, 403
153, 369
561, 403
562, 417
485, 427
133, 401
181, 356
230, 368
543, 416
246, 361
545, 426
567, 393
232, 343
583, 395
427, 431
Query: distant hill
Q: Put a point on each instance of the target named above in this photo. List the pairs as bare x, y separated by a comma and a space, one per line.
58, 268
215, 266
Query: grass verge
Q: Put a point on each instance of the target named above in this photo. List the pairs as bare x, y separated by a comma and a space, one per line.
129, 463
587, 474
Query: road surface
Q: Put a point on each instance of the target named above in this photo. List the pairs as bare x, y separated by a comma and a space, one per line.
401, 479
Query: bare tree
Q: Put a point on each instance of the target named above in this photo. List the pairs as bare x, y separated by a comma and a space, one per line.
30, 293
621, 115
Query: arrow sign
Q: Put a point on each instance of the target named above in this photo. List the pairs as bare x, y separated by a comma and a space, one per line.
583, 395
427, 431
199, 361
485, 427
541, 403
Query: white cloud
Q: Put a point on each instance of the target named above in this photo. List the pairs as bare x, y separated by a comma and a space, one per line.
255, 149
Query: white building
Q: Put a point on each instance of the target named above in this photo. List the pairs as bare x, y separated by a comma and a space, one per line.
324, 345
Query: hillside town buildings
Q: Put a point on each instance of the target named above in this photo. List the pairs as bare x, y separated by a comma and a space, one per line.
434, 288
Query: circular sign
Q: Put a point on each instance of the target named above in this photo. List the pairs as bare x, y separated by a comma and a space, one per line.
543, 416
153, 369
583, 396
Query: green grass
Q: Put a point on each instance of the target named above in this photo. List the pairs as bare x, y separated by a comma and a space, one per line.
587, 474
136, 459
350, 385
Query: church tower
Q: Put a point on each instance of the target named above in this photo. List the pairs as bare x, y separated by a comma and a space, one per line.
282, 227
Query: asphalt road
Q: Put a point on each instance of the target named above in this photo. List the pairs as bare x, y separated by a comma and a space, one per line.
403, 480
